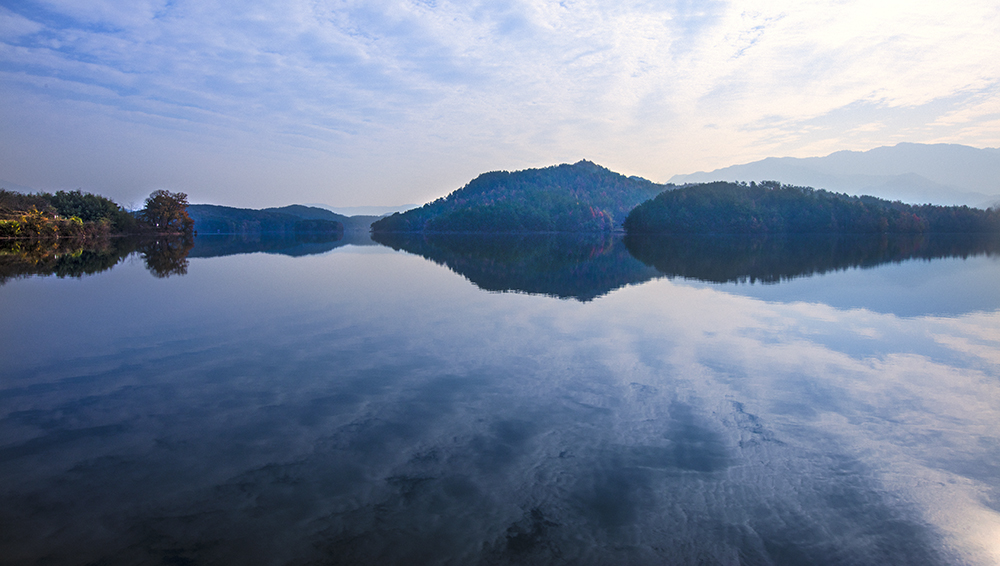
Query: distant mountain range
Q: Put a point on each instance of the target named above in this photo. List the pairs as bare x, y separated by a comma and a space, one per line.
15, 187
942, 174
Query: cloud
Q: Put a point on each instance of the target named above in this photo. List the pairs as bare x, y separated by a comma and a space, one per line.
643, 87
106, 13
13, 26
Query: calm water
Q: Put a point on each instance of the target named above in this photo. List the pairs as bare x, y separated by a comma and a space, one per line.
506, 401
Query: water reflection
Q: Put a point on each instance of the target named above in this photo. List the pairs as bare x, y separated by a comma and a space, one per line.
584, 267
578, 266
166, 256
294, 245
372, 408
735, 259
163, 256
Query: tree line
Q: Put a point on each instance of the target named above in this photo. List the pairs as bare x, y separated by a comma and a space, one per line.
770, 207
585, 197
85, 216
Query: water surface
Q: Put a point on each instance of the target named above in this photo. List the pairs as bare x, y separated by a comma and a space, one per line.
484, 404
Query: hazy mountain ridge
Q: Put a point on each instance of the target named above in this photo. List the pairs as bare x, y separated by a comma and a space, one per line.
359, 222
943, 174
4, 184
376, 211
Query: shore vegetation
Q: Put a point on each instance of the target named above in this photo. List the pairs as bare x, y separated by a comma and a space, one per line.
76, 215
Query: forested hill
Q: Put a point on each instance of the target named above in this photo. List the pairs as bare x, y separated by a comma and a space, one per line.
583, 197
359, 222
213, 219
738, 208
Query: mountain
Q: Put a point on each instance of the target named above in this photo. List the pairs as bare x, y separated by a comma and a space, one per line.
15, 187
942, 174
214, 219
770, 207
377, 211
582, 197
360, 222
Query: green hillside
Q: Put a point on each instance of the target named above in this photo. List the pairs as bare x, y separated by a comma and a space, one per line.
582, 197
770, 207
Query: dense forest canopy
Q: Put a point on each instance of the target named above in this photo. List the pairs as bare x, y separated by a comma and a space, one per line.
582, 197
770, 207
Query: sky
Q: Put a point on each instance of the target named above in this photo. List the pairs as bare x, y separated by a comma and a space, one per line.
353, 103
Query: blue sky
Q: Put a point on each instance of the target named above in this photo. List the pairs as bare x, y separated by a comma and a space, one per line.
383, 102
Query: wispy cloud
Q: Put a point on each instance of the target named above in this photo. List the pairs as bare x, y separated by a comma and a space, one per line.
645, 87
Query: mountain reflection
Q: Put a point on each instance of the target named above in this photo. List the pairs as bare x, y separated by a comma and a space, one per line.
577, 266
587, 266
566, 266
741, 259
297, 245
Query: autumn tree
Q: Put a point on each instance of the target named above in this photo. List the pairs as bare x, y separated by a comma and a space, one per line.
167, 212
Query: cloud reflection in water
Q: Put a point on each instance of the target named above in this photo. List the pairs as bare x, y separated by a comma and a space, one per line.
375, 408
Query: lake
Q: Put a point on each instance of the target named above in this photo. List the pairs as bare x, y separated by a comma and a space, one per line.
506, 400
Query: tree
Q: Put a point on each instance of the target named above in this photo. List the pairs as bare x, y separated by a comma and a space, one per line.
167, 212
85, 206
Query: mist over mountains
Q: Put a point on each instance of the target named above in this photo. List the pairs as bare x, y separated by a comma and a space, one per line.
941, 174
